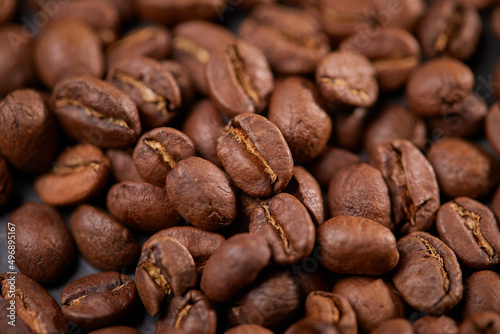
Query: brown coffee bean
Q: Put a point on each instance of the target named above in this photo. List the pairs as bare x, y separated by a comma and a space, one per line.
44, 247
125, 8
248, 329
287, 226
193, 44
95, 111
74, 49
165, 268
348, 79
439, 87
153, 89
171, 13
349, 126
116, 330
394, 53
374, 300
102, 240
412, 184
450, 28
462, 168
312, 280
171, 330
6, 182
428, 275
360, 191
122, 165
192, 312
485, 322
278, 30
312, 327
479, 4
142, 206
356, 246
98, 300
296, 109
395, 326
181, 76
29, 133
35, 309
158, 152
331, 309
7, 10
435, 325
239, 79
234, 265
471, 231
256, 156
78, 174
491, 125
495, 22
481, 293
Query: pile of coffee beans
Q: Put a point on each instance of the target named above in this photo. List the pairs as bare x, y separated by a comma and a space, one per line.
250, 166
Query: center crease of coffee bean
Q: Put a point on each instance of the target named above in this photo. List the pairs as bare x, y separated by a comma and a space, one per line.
182, 314
157, 146
61, 169
445, 37
335, 311
303, 40
243, 76
395, 63
342, 83
28, 315
432, 252
155, 273
279, 229
188, 46
106, 287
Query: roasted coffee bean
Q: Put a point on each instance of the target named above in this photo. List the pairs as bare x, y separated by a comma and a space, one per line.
74, 49
394, 53
29, 136
44, 247
330, 162
306, 189
395, 326
428, 275
142, 206
287, 226
492, 123
158, 152
181, 76
278, 30
360, 191
234, 265
165, 268
311, 280
273, 302
348, 79
311, 326
149, 41
356, 246
204, 125
296, 109
256, 156
202, 194
239, 79
479, 4
192, 312
116, 330
348, 127
6, 182
122, 165
125, 8
367, 294
450, 28
481, 293
463, 169
248, 329
485, 322
193, 44
331, 309
495, 22
412, 184
471, 231
171, 330
153, 88
7, 10
95, 111
435, 325
98, 300
35, 309
439, 87
172, 12
78, 174
102, 240
395, 122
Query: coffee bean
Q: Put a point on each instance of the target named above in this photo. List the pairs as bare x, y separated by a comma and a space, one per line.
435, 325
31, 144
491, 125
395, 326
428, 275
360, 191
7, 10
192, 312
331, 309
95, 111
153, 88
348, 79
412, 184
298, 112
481, 293
116, 330
102, 240
255, 155
495, 22
366, 294
98, 300
313, 280
171, 13
248, 329
181, 76
125, 8
239, 79
234, 265
171, 330
6, 183
479, 4
74, 49
349, 126
485, 322
250, 4
450, 28
35, 309
278, 30
311, 326
463, 169
78, 174
165, 268
122, 165
142, 206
